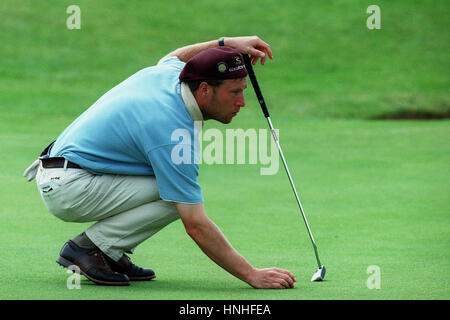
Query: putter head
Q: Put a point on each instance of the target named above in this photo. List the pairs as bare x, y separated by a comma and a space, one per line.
319, 275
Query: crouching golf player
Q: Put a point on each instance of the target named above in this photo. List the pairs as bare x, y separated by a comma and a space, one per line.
113, 165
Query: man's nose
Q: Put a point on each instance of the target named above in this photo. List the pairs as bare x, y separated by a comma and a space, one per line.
241, 101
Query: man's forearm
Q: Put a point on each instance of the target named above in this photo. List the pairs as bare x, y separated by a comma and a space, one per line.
187, 52
254, 46
214, 244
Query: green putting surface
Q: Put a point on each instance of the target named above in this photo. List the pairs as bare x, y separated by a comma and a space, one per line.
375, 194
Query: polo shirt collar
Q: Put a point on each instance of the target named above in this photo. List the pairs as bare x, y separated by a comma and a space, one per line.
191, 103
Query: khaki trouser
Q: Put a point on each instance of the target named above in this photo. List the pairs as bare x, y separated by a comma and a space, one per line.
128, 209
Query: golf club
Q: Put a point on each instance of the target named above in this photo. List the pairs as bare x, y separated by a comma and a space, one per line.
319, 275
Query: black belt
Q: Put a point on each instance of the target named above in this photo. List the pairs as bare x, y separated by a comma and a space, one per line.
58, 162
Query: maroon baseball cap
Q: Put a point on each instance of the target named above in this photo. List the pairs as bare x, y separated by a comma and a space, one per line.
218, 63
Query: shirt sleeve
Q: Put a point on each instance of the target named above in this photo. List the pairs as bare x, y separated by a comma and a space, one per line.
176, 182
174, 61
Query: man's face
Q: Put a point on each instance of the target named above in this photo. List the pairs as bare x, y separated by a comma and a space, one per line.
226, 100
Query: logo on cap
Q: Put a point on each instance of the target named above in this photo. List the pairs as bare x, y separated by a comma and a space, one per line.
237, 60
222, 67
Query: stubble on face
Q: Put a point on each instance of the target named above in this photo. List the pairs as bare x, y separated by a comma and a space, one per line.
226, 100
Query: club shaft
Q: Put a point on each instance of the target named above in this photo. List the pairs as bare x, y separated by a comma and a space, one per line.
277, 142
262, 103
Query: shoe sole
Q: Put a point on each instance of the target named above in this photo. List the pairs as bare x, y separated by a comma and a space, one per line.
148, 278
66, 263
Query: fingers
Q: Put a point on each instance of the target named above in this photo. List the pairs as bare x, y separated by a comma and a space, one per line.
256, 54
262, 53
265, 48
254, 46
254, 59
269, 52
285, 280
286, 272
283, 284
275, 278
276, 285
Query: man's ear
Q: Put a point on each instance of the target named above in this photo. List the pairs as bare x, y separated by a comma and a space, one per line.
204, 89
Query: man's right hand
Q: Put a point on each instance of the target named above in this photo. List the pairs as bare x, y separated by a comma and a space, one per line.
271, 278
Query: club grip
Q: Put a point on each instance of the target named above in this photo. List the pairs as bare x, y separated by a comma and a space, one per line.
251, 74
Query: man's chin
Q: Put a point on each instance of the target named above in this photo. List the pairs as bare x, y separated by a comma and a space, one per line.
226, 121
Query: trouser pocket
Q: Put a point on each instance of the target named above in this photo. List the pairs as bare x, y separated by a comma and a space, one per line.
56, 187
48, 186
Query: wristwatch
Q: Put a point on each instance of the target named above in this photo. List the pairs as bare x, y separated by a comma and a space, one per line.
221, 42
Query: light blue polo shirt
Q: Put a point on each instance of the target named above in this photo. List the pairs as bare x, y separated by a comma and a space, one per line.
132, 130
